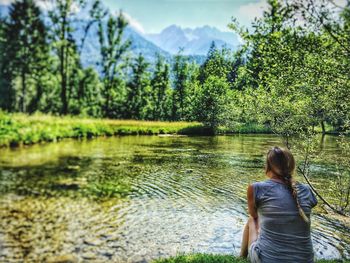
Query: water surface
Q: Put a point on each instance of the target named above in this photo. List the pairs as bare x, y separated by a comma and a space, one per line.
137, 198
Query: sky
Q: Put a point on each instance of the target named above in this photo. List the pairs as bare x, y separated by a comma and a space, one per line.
152, 16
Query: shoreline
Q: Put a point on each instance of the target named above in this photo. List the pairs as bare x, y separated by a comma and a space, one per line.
17, 129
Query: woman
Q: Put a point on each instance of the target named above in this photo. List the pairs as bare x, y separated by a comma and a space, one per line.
278, 229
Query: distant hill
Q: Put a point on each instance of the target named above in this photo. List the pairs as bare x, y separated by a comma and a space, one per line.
90, 55
193, 41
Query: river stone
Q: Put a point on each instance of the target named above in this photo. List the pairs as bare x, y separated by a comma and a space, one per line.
63, 259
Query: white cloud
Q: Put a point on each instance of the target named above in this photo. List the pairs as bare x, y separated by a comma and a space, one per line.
6, 2
340, 3
252, 10
134, 23
45, 5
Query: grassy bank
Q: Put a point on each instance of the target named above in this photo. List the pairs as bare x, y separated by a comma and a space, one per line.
21, 129
17, 129
208, 258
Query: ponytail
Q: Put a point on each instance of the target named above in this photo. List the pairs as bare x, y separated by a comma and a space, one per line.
292, 187
281, 162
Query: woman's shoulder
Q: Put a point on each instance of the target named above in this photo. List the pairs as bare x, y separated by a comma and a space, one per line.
260, 188
305, 192
261, 184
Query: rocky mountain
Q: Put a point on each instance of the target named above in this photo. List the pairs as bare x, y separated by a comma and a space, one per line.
90, 55
193, 41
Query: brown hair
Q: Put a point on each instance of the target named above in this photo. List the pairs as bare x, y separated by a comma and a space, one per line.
281, 163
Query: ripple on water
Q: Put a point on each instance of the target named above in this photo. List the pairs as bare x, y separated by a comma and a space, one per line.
136, 199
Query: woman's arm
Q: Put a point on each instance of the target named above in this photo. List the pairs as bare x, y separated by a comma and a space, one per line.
251, 203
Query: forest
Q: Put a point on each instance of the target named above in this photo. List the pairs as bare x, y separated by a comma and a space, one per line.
290, 72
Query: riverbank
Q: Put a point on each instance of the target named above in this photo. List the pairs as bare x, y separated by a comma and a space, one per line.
209, 258
21, 129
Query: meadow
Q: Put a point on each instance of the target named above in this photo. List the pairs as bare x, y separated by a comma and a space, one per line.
22, 129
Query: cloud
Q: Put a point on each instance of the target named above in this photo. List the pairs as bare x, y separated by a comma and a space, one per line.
134, 23
45, 5
252, 10
6, 2
340, 3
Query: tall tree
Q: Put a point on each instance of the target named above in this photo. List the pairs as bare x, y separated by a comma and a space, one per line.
212, 103
180, 71
161, 89
6, 91
113, 49
62, 16
25, 49
218, 63
138, 89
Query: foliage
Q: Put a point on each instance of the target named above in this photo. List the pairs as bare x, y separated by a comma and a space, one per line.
212, 103
113, 61
161, 90
286, 86
24, 56
181, 76
275, 81
138, 91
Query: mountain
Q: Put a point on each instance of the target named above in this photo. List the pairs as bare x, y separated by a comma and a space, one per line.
90, 55
193, 41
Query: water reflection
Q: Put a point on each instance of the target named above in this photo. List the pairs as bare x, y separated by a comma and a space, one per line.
140, 197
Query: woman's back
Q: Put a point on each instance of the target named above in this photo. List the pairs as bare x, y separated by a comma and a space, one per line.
284, 235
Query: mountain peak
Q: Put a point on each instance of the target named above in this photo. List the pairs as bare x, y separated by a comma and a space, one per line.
173, 29
195, 41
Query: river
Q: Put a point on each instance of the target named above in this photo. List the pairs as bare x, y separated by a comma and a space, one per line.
137, 198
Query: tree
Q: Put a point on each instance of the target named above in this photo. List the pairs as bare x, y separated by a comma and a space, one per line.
25, 52
218, 63
138, 89
161, 88
7, 93
180, 70
113, 51
213, 103
86, 98
288, 88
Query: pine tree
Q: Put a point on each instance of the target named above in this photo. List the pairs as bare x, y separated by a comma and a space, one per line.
180, 70
138, 89
160, 90
66, 48
25, 52
113, 51
218, 63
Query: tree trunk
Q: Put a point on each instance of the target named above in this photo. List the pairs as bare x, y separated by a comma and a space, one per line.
24, 88
64, 109
323, 127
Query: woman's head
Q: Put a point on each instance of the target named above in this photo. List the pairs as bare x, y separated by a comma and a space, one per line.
280, 162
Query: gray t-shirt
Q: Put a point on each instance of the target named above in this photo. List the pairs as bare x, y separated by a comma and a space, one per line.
284, 236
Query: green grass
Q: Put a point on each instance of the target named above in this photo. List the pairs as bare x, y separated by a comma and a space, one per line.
245, 128
210, 258
20, 129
